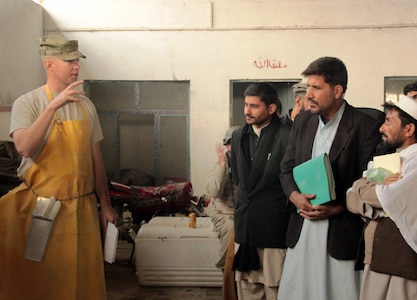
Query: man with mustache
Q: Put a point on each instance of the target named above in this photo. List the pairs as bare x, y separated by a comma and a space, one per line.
390, 256
261, 216
323, 239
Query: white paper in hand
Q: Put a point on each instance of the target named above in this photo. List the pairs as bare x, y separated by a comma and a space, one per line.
110, 243
390, 162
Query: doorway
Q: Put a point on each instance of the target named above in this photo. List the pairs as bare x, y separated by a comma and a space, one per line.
237, 100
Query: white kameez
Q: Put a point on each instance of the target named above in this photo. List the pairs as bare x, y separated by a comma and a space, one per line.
398, 199
311, 274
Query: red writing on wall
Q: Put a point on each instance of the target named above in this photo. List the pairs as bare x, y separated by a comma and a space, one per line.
267, 63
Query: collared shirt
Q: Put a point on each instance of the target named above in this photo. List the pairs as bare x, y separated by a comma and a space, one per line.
326, 132
255, 135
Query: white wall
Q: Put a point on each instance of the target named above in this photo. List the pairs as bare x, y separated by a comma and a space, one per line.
212, 42
21, 70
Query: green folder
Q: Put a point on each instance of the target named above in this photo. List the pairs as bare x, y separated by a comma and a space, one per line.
315, 176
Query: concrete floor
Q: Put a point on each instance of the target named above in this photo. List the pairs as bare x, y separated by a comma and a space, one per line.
122, 282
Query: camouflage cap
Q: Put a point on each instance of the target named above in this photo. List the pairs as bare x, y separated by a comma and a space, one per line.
59, 47
228, 135
299, 87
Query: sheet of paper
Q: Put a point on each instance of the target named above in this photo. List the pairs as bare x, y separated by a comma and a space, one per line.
110, 243
390, 162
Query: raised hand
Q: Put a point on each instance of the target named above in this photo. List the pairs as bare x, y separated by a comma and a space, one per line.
69, 94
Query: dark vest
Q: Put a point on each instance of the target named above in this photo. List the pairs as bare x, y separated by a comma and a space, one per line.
391, 254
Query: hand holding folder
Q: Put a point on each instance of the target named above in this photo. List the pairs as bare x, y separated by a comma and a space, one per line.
315, 176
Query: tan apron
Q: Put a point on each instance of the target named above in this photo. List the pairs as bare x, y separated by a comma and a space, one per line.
73, 263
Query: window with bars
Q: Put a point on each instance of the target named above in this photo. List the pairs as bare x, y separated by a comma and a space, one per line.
145, 126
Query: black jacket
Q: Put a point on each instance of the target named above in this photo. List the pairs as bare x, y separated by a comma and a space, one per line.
261, 215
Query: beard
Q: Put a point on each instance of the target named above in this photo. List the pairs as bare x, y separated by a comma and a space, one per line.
386, 147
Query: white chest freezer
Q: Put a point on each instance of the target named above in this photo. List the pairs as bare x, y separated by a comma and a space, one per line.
169, 253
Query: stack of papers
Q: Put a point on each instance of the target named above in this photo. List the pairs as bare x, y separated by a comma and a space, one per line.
110, 243
390, 162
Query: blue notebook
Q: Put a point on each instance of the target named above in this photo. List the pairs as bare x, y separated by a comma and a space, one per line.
315, 176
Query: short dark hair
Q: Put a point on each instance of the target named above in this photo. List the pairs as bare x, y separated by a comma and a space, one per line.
331, 68
264, 90
410, 87
279, 106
